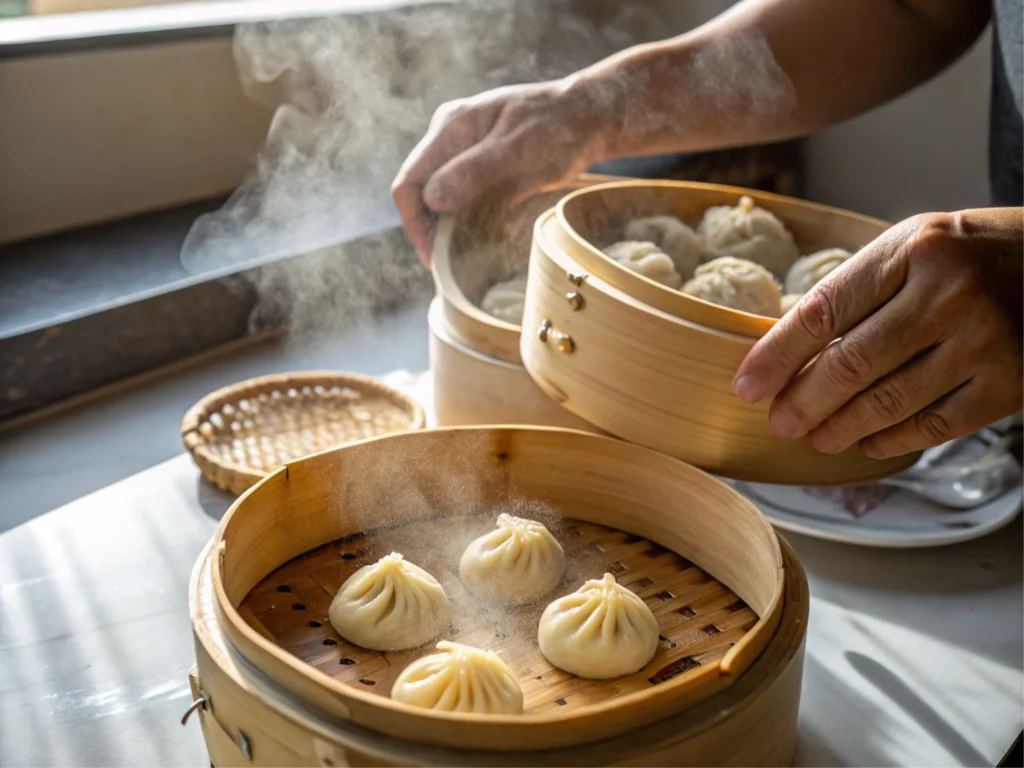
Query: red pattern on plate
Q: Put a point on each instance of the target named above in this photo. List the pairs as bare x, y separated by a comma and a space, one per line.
858, 500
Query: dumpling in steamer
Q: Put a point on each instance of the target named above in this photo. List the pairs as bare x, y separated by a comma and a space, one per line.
750, 233
391, 605
601, 630
517, 562
737, 284
680, 242
809, 270
460, 678
645, 259
790, 300
505, 300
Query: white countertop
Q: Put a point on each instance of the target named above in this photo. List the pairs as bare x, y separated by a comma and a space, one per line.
914, 657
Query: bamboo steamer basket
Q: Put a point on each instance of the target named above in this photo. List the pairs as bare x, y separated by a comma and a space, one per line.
242, 712
474, 358
654, 366
472, 388
702, 556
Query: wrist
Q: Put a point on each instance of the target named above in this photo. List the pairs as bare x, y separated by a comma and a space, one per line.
594, 102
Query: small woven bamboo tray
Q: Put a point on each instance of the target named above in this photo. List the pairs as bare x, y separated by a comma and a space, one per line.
241, 433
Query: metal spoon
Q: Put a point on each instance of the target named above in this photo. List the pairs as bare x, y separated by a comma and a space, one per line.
965, 486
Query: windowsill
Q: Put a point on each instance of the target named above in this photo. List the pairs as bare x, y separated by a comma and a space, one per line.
86, 308
58, 279
60, 33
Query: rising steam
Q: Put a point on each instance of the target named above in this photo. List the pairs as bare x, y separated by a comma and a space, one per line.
354, 93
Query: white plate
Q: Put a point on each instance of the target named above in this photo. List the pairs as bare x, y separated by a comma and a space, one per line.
878, 515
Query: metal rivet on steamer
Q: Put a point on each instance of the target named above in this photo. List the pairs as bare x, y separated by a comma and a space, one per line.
243, 745
564, 342
575, 300
577, 278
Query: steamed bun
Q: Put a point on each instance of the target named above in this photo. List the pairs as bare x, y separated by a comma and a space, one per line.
738, 284
646, 259
808, 270
748, 232
678, 241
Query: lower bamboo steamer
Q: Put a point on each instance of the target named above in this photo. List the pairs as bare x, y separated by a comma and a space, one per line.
477, 372
705, 560
752, 722
473, 388
654, 366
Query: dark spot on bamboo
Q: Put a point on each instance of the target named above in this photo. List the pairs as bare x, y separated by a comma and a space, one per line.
674, 669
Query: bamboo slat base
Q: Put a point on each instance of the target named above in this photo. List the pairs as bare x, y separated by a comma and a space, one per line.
699, 618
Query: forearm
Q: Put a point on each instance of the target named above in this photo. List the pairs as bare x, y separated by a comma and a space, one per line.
769, 70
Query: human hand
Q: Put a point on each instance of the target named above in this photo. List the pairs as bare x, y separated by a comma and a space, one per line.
926, 324
523, 138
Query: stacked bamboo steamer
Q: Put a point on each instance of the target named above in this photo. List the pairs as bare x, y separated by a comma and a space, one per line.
475, 361
614, 349
274, 685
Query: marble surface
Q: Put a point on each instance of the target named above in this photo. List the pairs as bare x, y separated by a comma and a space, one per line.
48, 462
913, 657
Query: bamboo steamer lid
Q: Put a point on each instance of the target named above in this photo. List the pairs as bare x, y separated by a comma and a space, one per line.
654, 366
641, 514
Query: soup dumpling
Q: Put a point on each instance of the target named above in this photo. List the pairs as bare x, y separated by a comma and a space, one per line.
518, 562
737, 284
646, 259
600, 631
391, 605
681, 243
809, 270
460, 678
790, 300
748, 232
505, 300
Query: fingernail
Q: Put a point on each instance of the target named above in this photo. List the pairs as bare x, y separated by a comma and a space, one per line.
784, 425
749, 389
870, 449
825, 443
